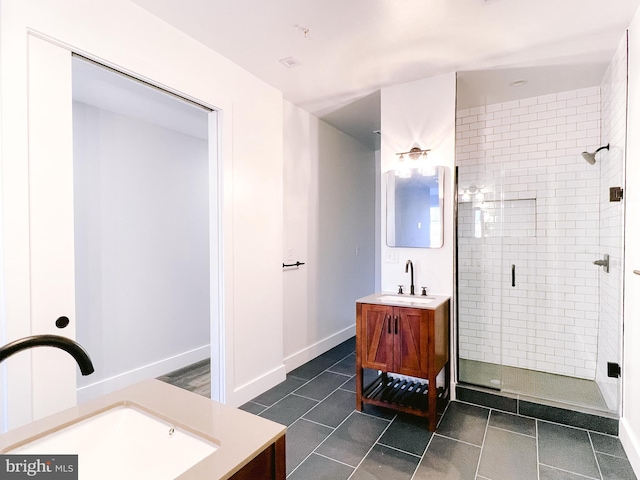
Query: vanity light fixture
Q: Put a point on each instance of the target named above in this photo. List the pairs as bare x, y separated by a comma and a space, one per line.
414, 154
472, 193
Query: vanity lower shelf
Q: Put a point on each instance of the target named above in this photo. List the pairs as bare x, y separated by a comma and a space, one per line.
409, 396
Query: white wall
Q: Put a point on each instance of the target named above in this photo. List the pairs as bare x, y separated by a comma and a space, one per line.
141, 197
630, 421
421, 112
123, 35
329, 191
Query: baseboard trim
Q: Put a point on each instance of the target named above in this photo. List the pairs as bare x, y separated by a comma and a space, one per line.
631, 445
257, 386
312, 351
153, 370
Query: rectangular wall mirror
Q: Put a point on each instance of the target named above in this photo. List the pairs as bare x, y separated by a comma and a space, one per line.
415, 201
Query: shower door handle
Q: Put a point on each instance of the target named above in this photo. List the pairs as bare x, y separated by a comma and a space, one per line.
513, 275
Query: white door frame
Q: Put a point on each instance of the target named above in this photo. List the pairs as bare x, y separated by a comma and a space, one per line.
57, 391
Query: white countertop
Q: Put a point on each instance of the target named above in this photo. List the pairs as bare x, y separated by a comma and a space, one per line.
404, 300
240, 435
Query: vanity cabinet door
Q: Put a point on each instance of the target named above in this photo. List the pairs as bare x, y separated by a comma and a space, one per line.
411, 338
377, 337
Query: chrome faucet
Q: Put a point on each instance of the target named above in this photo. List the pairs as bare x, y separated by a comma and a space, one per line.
406, 269
72, 348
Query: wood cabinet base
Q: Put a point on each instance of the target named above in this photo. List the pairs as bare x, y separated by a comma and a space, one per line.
268, 464
410, 342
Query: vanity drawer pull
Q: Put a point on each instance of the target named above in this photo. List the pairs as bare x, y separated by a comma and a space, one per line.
389, 324
637, 272
396, 327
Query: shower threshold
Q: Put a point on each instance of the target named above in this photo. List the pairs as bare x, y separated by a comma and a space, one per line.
551, 387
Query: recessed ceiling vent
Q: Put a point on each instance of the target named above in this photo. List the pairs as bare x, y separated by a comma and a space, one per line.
290, 62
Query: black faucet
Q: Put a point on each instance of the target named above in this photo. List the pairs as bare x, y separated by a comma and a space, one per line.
72, 348
406, 269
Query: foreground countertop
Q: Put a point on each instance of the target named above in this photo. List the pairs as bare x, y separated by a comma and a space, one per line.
404, 300
239, 435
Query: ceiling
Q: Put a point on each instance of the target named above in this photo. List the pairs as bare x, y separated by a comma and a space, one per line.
101, 87
347, 50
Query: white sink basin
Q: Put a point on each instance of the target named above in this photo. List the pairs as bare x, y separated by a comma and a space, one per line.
407, 299
125, 442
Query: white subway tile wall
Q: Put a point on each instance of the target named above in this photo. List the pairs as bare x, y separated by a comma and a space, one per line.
528, 200
614, 95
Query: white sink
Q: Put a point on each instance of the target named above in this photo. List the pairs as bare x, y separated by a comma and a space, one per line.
407, 299
125, 442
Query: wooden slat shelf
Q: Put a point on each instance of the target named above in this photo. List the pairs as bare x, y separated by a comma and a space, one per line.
409, 396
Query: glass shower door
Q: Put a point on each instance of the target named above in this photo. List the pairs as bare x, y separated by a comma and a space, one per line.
481, 272
536, 317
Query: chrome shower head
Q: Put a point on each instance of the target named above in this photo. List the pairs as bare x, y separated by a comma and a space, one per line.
590, 157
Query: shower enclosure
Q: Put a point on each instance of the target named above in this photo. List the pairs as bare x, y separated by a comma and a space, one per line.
536, 316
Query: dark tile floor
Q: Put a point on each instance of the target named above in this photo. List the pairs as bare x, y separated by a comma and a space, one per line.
328, 439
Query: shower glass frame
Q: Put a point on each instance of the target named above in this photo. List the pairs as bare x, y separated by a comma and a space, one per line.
543, 338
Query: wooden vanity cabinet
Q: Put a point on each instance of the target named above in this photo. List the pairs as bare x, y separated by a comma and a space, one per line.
268, 464
406, 341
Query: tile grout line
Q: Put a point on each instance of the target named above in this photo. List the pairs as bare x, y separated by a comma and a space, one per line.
344, 389
397, 449
309, 398
313, 399
567, 471
373, 445
538, 419
484, 437
612, 455
318, 446
537, 451
338, 373
323, 371
318, 403
595, 456
287, 395
332, 365
373, 416
511, 431
334, 460
334, 429
433, 434
305, 383
317, 423
457, 440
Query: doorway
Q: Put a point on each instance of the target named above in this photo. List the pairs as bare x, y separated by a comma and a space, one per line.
142, 231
